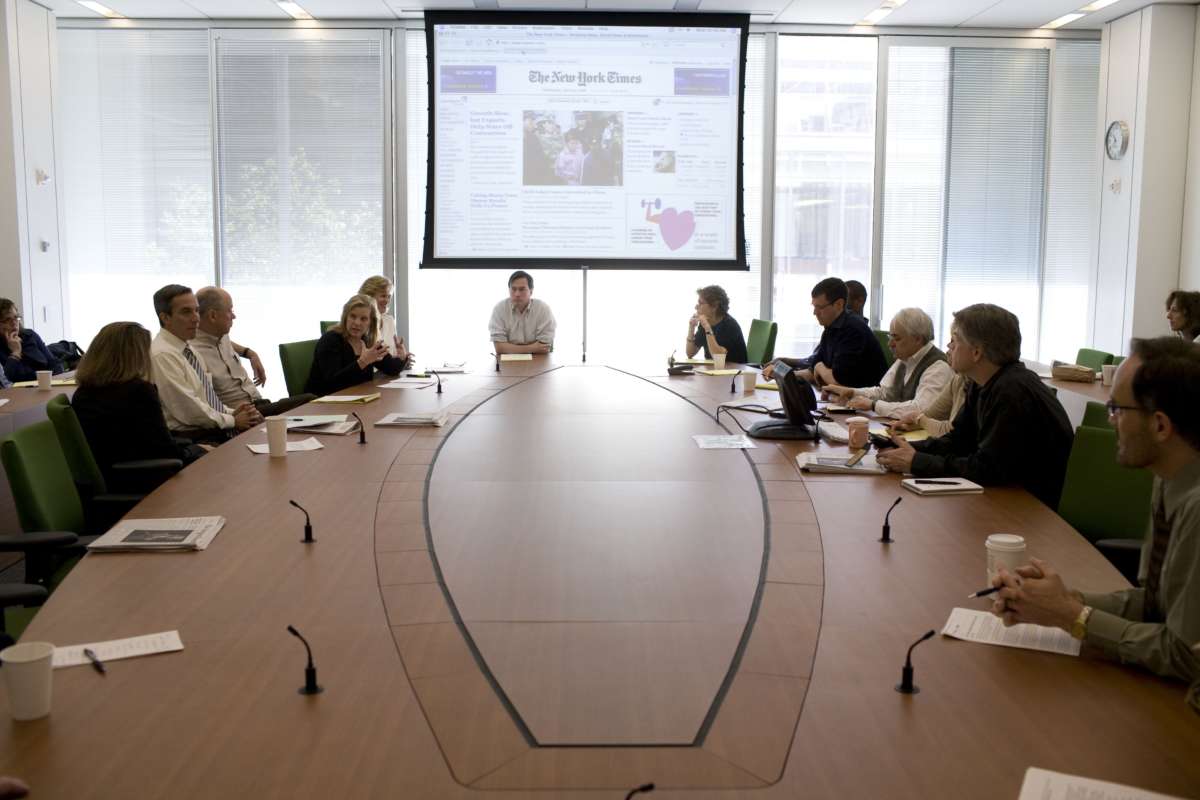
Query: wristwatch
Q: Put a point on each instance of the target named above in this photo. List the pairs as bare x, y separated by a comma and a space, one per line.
1079, 626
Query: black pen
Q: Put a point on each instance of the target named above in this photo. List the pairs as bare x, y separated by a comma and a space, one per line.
984, 592
97, 664
927, 481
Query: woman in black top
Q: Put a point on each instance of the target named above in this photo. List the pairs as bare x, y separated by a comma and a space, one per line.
713, 330
349, 352
22, 352
118, 407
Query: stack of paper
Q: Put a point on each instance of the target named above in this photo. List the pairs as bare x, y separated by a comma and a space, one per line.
719, 442
292, 447
402, 418
115, 650
348, 398
1042, 784
812, 462
336, 424
718, 372
986, 628
941, 486
182, 533
516, 356
53, 382
409, 383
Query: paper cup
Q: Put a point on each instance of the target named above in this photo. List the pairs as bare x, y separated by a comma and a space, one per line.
27, 671
749, 381
718, 361
277, 436
858, 428
43, 379
1106, 374
1005, 549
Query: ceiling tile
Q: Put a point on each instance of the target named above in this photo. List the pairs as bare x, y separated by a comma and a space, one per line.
411, 8
631, 5
347, 9
1099, 18
548, 5
947, 13
239, 9
154, 9
743, 6
69, 9
1022, 13
828, 12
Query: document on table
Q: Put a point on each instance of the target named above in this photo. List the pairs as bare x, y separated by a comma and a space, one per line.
115, 650
516, 356
292, 447
1042, 784
179, 533
348, 398
719, 442
4, 401
409, 383
718, 372
986, 628
401, 418
53, 382
772, 386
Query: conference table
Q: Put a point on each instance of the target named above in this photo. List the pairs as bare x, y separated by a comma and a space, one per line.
558, 594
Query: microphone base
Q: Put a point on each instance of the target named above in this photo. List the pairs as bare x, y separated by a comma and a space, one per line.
313, 690
902, 689
886, 541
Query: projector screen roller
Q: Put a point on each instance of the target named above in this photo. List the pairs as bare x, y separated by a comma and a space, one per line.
602, 140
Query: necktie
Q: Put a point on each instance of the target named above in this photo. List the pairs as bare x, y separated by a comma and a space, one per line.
210, 394
1158, 552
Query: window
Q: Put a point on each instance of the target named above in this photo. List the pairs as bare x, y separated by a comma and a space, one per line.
824, 175
137, 171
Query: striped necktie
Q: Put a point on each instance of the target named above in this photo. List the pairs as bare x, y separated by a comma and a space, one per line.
210, 394
1158, 552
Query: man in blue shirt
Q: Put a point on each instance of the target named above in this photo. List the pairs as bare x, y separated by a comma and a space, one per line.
848, 353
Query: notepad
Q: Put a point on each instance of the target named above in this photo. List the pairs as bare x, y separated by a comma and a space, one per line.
770, 387
1042, 784
117, 649
348, 398
814, 462
720, 442
409, 383
718, 372
324, 424
986, 628
159, 535
943, 486
402, 419
292, 447
695, 361
516, 356
53, 382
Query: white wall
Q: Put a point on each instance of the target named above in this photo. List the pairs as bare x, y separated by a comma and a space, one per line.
1189, 268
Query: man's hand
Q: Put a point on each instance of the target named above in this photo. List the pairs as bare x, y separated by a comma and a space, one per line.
260, 372
861, 403
908, 422
823, 374
1035, 594
898, 458
246, 417
840, 393
768, 371
540, 347
14, 343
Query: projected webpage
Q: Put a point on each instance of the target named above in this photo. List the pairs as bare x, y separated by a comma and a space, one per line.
585, 142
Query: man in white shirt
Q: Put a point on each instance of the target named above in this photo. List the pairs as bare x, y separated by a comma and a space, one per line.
190, 404
521, 324
916, 377
220, 355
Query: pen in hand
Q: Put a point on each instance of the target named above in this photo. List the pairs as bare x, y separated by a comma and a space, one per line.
97, 664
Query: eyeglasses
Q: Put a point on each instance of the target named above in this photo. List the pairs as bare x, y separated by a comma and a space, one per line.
817, 308
1114, 410
6, 320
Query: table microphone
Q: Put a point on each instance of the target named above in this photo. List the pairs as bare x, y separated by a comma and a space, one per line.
362, 429
887, 528
645, 788
906, 675
308, 537
439, 380
310, 672
733, 383
497, 355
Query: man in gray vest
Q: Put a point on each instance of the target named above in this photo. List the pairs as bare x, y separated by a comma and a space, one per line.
916, 377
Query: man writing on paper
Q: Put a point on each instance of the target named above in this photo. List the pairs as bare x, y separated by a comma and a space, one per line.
190, 403
848, 353
521, 324
1011, 429
221, 357
1154, 399
915, 379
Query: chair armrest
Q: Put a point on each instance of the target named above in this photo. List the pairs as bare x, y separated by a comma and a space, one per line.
40, 540
1119, 545
118, 499
149, 464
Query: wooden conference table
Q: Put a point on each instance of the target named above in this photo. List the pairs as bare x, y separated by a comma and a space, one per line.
604, 605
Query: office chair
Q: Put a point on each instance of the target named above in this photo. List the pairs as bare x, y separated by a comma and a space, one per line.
1095, 415
326, 324
882, 337
1093, 359
760, 344
296, 359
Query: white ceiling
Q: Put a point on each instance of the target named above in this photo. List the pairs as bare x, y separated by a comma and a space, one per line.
915, 13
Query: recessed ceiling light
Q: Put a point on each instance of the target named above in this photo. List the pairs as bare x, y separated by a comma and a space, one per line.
102, 10
1063, 20
293, 9
876, 15
1097, 5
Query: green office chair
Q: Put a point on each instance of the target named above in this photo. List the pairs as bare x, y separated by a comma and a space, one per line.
760, 345
326, 324
1107, 503
1095, 415
297, 359
144, 475
1093, 359
883, 337
23, 599
1116, 362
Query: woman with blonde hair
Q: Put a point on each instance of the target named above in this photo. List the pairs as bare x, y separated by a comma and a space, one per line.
118, 407
380, 288
349, 353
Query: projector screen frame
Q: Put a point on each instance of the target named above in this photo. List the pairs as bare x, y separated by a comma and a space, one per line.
590, 18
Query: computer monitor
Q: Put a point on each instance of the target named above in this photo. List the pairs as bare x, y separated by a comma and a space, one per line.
799, 401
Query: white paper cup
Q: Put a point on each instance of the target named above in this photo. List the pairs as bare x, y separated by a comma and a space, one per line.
718, 361
277, 436
858, 429
749, 381
1005, 549
27, 671
1106, 374
43, 379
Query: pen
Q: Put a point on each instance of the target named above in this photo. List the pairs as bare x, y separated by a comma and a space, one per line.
927, 481
984, 592
97, 664
857, 457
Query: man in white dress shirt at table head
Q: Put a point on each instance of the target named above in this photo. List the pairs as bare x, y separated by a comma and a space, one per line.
521, 324
190, 403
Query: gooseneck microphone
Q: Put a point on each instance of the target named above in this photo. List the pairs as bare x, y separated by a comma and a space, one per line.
733, 383
362, 429
645, 788
310, 672
887, 528
439, 380
497, 355
906, 674
308, 537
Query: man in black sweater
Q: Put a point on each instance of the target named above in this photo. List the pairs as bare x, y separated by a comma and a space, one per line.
1011, 430
848, 353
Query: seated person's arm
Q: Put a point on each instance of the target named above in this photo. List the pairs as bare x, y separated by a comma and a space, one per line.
545, 333
191, 410
256, 364
1000, 445
794, 363
929, 389
330, 367
509, 347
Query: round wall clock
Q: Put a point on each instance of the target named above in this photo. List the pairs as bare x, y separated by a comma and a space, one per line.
1116, 141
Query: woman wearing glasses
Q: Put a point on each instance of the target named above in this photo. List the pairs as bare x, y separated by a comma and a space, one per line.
22, 351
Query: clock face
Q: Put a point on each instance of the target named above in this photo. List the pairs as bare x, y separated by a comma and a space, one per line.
1117, 140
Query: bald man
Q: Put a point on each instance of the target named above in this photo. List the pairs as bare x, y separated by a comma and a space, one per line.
222, 357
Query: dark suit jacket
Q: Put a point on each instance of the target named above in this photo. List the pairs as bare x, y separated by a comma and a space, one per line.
335, 367
35, 356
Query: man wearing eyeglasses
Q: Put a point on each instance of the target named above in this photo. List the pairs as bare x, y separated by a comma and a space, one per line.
1155, 395
22, 351
848, 353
